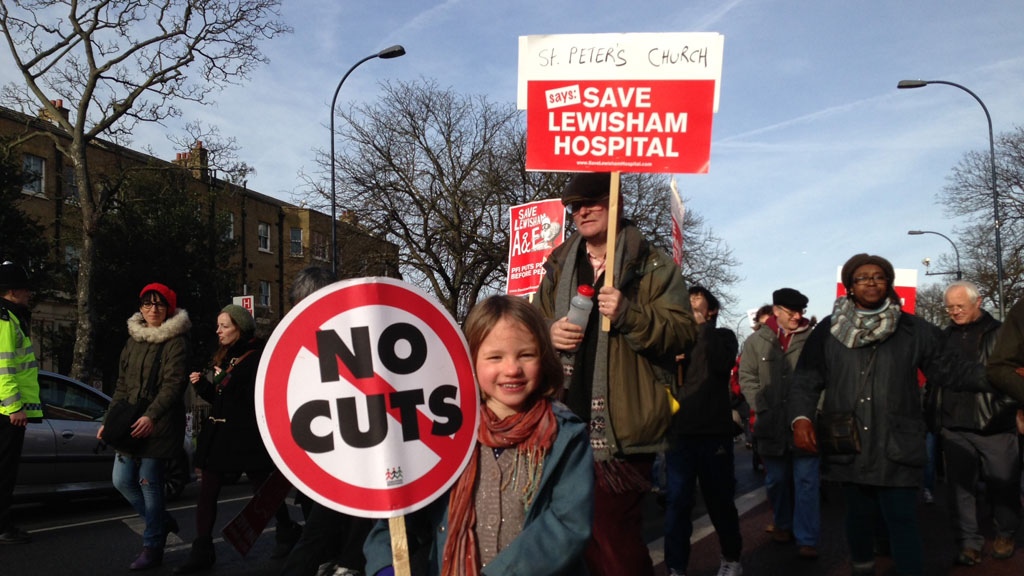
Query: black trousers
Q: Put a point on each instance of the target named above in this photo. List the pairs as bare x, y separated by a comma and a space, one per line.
12, 438
328, 535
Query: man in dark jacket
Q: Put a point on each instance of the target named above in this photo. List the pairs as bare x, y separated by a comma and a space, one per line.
701, 440
978, 428
792, 477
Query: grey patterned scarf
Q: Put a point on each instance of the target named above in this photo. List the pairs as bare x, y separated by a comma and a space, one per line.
855, 329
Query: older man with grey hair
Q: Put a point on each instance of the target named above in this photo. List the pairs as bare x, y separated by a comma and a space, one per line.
978, 430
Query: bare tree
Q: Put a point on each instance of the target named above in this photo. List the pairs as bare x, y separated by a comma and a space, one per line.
118, 63
968, 194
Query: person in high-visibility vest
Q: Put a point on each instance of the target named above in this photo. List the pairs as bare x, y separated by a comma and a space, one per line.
19, 389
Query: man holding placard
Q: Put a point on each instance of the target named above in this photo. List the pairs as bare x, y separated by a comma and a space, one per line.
616, 379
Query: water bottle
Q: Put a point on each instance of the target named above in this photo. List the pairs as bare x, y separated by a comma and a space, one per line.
580, 305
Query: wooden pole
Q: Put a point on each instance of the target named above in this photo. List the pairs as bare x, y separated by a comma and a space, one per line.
613, 229
399, 546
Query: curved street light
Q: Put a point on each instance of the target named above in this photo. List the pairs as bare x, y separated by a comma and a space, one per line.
906, 84
959, 274
392, 52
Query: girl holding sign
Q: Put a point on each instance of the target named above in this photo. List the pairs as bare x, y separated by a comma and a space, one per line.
524, 503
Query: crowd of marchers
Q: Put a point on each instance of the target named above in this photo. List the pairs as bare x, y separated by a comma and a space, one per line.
575, 415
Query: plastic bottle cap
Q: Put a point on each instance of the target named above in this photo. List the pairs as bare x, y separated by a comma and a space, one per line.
586, 290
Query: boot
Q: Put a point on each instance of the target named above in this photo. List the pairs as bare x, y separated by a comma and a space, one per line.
201, 557
287, 536
149, 558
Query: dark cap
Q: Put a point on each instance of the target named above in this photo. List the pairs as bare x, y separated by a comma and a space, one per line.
789, 298
858, 260
587, 186
12, 277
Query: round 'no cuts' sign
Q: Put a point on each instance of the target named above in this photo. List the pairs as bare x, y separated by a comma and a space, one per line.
366, 399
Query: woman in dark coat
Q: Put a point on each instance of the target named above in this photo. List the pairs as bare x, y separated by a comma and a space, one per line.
152, 369
229, 439
865, 357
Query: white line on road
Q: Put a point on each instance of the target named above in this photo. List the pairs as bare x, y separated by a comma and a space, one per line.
702, 526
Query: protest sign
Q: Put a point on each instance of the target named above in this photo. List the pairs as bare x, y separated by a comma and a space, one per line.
537, 228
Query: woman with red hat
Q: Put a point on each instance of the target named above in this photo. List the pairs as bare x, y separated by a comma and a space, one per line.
152, 371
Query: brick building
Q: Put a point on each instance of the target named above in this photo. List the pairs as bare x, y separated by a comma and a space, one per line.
275, 239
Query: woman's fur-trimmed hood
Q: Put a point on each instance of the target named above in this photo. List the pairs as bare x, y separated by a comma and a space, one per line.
174, 326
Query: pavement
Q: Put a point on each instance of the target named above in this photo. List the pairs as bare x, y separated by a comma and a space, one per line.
764, 557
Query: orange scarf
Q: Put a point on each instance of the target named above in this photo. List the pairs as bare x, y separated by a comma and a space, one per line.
532, 433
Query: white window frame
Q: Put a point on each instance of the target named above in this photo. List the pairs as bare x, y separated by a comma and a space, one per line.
263, 236
264, 294
292, 242
229, 230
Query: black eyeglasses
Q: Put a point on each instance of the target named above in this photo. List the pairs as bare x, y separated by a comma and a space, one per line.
151, 305
575, 207
862, 280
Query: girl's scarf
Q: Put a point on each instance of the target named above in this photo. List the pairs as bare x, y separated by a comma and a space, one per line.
532, 433
855, 329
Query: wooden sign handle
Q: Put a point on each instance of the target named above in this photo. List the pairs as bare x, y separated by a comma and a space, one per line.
613, 229
399, 546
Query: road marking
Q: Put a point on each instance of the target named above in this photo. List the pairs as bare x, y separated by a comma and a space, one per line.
702, 526
120, 518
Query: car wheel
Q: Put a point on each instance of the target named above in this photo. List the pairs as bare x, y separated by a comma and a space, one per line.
176, 476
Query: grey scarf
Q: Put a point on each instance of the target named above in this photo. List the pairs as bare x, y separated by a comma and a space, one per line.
854, 329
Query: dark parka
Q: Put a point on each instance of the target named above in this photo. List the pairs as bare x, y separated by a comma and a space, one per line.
229, 439
766, 374
642, 343
705, 408
167, 404
973, 410
883, 394
1008, 355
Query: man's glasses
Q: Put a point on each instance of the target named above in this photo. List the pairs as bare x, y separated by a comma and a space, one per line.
575, 207
955, 309
793, 312
863, 280
151, 305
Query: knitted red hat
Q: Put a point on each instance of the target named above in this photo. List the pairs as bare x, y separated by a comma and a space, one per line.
166, 293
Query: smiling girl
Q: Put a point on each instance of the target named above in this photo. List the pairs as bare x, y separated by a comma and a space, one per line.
524, 503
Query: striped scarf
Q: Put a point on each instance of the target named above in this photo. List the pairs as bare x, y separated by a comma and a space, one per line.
532, 433
854, 328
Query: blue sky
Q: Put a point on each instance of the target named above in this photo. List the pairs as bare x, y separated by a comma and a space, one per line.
815, 155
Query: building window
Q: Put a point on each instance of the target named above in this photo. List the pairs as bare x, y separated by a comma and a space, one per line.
263, 231
70, 191
264, 293
33, 168
318, 245
296, 241
229, 226
71, 258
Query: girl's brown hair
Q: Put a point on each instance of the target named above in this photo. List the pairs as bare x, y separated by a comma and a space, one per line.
486, 314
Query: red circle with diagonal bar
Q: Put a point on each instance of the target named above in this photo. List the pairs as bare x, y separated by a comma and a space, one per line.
410, 465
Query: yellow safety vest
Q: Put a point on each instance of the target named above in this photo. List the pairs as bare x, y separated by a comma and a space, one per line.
19, 370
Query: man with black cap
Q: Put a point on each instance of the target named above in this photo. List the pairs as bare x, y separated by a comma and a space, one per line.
792, 477
617, 380
19, 389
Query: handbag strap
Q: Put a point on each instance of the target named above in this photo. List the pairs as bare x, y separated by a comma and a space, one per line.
151, 381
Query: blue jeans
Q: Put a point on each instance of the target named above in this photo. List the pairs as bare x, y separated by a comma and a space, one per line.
710, 460
793, 485
141, 482
930, 441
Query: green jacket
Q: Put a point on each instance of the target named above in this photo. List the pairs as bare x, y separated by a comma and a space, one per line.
766, 374
19, 370
167, 405
642, 343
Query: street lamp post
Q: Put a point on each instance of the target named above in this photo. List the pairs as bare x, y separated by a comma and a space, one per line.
905, 84
392, 52
959, 274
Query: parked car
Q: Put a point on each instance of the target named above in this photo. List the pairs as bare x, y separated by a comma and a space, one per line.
62, 455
